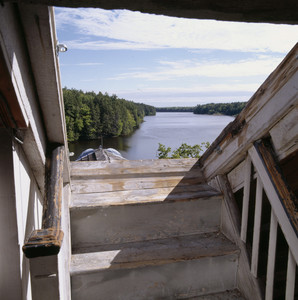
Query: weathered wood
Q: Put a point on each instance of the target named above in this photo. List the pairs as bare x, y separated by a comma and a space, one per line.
93, 226
122, 184
179, 193
291, 276
245, 204
154, 252
47, 241
236, 177
275, 201
179, 280
273, 100
257, 228
40, 35
99, 169
251, 11
287, 197
285, 134
246, 282
11, 111
271, 257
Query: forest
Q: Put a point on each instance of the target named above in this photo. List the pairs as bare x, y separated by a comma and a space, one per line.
89, 115
229, 109
175, 109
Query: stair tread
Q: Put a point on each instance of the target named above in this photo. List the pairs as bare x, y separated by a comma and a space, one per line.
178, 193
152, 252
227, 295
127, 167
80, 186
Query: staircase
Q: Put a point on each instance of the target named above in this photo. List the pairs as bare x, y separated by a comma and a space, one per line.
148, 230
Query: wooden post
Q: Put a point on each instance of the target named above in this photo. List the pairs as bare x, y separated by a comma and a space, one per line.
271, 257
257, 227
48, 240
245, 203
291, 276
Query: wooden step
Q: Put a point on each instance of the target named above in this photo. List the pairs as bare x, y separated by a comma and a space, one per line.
112, 224
227, 295
127, 168
134, 183
142, 195
161, 269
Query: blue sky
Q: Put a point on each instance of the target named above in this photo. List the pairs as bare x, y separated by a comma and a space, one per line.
166, 61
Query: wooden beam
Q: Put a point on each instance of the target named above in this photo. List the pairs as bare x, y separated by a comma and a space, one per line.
273, 11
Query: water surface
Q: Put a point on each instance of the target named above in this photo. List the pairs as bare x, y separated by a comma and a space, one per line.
170, 129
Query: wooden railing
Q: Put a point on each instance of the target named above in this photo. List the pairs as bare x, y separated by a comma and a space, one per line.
48, 240
243, 155
283, 213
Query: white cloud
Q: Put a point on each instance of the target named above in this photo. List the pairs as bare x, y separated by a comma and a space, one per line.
169, 70
122, 29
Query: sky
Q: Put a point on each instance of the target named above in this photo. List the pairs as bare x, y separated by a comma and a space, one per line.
167, 61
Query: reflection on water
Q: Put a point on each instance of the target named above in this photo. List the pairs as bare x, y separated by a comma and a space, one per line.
170, 129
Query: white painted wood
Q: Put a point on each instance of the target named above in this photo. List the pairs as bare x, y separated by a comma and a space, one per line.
274, 99
64, 256
180, 280
95, 226
45, 278
18, 63
291, 276
257, 228
276, 205
152, 252
10, 275
236, 177
285, 134
271, 257
41, 41
245, 203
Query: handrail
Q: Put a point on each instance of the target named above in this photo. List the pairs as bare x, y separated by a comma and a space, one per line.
286, 195
281, 198
48, 240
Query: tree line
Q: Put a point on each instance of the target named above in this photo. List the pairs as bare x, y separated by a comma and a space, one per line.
89, 115
229, 109
175, 109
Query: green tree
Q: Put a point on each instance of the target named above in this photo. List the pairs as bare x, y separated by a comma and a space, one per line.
184, 151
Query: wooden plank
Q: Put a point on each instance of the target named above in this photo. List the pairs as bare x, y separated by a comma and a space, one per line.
152, 252
117, 224
245, 204
291, 276
183, 193
271, 257
100, 169
276, 204
273, 100
40, 35
285, 134
257, 228
135, 183
236, 177
231, 10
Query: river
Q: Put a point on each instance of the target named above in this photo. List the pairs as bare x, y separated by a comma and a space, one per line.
170, 129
